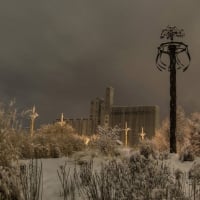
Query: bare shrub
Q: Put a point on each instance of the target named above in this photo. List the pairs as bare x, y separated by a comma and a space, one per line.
31, 178
67, 184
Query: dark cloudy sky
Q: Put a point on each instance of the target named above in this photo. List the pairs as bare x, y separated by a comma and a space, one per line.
60, 54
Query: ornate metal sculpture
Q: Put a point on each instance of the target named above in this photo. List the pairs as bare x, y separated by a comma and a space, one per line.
173, 50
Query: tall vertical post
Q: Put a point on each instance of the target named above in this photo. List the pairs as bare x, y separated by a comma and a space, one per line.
126, 129
172, 49
33, 116
142, 134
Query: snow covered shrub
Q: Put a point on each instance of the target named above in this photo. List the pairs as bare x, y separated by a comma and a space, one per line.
10, 188
158, 194
177, 189
138, 178
67, 184
194, 172
54, 151
9, 127
26, 149
150, 173
41, 151
86, 172
187, 154
10, 119
194, 177
31, 180
106, 140
8, 153
56, 129
56, 141
147, 149
163, 155
137, 162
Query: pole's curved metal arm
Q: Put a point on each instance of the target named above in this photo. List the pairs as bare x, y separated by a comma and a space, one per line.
164, 48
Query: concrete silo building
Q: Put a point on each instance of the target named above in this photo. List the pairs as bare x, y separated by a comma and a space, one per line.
103, 112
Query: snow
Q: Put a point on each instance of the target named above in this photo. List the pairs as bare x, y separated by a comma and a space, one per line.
52, 185
175, 163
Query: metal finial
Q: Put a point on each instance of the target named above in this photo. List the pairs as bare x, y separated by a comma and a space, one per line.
170, 32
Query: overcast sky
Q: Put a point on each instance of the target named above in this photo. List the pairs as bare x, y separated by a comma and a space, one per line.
60, 54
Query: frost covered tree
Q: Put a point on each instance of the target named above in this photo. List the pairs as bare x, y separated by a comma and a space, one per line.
106, 140
194, 124
161, 138
10, 118
183, 129
10, 125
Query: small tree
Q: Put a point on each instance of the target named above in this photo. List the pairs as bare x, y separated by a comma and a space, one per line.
194, 124
106, 140
161, 138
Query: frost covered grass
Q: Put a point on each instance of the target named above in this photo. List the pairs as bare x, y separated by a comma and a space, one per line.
134, 177
131, 175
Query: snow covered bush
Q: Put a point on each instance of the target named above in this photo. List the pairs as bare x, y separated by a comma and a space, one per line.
106, 140
187, 154
9, 126
8, 153
194, 172
163, 155
85, 174
147, 149
50, 141
148, 175
137, 178
194, 177
10, 187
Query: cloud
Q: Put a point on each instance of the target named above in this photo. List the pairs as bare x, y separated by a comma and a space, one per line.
59, 55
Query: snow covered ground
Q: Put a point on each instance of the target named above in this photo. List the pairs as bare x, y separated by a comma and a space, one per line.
52, 185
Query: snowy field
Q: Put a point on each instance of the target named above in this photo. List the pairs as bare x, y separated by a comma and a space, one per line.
52, 185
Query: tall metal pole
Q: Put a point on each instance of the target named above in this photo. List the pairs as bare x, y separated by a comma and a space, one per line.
172, 49
172, 54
